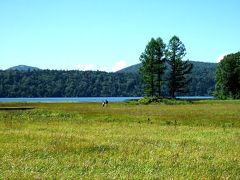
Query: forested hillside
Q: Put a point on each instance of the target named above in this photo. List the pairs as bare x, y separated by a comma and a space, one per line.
52, 83
127, 82
203, 78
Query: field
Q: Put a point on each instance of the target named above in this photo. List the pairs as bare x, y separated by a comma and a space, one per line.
121, 141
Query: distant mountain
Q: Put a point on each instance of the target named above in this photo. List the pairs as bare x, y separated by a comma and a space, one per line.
131, 69
24, 68
203, 77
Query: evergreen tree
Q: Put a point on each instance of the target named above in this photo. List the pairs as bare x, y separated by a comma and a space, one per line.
153, 66
178, 68
228, 77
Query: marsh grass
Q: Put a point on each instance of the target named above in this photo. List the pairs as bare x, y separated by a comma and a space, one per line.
122, 141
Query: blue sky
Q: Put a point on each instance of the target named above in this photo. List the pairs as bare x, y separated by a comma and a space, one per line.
108, 35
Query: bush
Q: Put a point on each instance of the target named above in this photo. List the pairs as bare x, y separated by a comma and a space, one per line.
160, 100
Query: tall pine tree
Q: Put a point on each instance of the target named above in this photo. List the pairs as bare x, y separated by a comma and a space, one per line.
179, 69
159, 64
153, 66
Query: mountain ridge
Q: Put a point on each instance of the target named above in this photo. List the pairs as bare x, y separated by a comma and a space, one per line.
24, 68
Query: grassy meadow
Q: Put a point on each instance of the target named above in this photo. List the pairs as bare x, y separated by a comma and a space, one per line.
121, 141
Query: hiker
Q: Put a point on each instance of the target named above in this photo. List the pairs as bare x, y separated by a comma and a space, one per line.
106, 102
103, 103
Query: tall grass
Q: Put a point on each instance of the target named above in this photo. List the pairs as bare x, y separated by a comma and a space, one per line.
122, 141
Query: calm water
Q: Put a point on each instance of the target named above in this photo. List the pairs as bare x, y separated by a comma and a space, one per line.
87, 99
195, 97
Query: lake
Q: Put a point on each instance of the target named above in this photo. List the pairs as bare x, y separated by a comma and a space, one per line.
88, 99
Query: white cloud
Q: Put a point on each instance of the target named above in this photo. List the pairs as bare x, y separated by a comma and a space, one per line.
221, 57
90, 67
119, 65
85, 67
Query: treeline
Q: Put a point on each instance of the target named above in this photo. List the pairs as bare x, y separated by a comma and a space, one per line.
127, 82
53, 83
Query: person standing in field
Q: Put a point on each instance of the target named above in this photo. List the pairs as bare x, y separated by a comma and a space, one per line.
105, 103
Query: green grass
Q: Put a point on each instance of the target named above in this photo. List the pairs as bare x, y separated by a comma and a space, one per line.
123, 141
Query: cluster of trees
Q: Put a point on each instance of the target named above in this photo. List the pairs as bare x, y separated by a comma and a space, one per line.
228, 77
52, 83
155, 59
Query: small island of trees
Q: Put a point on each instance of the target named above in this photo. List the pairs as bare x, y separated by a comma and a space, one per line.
156, 57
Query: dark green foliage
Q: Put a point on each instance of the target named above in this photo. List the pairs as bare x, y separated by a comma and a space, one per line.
177, 79
52, 83
153, 66
228, 77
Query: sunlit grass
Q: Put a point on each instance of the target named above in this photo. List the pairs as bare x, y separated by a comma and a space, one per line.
122, 141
